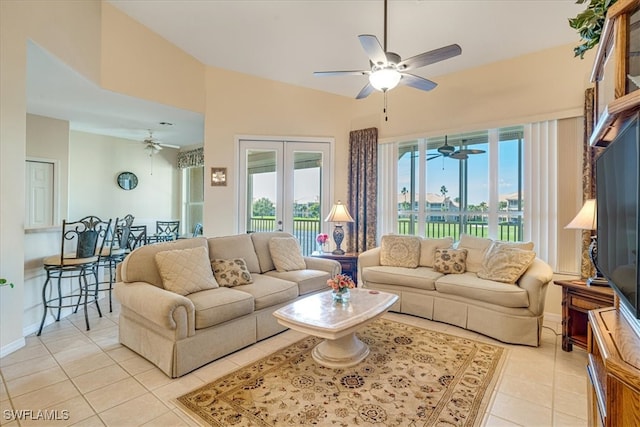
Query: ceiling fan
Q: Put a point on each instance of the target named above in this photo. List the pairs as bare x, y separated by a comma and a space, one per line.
388, 69
450, 151
154, 146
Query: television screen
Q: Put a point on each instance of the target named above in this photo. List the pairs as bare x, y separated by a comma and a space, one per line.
617, 200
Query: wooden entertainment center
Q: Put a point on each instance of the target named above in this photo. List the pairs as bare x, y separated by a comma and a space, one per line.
613, 337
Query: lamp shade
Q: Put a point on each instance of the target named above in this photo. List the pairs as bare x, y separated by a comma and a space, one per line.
339, 213
587, 218
385, 79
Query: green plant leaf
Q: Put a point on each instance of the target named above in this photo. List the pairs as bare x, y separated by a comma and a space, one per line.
589, 23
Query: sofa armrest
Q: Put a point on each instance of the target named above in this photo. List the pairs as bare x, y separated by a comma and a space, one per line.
368, 258
535, 281
166, 309
329, 265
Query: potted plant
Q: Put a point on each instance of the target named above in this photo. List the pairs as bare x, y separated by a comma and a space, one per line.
589, 24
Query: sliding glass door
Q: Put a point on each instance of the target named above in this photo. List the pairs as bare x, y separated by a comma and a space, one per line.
284, 186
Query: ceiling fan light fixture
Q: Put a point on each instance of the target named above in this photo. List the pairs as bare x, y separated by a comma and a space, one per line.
384, 79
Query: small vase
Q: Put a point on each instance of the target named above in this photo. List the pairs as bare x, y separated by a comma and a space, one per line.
341, 295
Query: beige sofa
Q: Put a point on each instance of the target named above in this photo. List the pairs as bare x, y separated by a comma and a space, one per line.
511, 313
179, 333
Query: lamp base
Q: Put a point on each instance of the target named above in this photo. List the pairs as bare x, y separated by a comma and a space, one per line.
338, 252
597, 281
338, 236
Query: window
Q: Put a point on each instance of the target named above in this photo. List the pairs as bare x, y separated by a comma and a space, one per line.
193, 197
466, 183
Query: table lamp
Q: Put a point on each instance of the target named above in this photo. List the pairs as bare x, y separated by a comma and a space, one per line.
338, 214
587, 219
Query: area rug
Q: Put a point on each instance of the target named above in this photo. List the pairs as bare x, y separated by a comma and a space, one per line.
412, 377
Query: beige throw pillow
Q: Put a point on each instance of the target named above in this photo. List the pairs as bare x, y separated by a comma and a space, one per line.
476, 248
428, 249
185, 271
286, 254
450, 261
505, 263
231, 272
400, 251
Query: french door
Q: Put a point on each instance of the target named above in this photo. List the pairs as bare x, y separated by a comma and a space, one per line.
285, 186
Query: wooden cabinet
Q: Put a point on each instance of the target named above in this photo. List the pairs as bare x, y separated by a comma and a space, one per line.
348, 261
577, 300
614, 370
616, 71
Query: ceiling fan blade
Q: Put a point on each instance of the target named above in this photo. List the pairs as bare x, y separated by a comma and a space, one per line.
459, 156
169, 146
417, 82
373, 49
430, 57
366, 91
433, 156
340, 73
470, 151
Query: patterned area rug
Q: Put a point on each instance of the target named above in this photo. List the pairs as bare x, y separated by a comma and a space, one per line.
412, 377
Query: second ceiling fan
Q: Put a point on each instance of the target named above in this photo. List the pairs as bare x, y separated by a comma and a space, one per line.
388, 69
451, 152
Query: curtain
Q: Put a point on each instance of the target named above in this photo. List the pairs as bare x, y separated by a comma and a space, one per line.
363, 189
589, 155
541, 189
191, 158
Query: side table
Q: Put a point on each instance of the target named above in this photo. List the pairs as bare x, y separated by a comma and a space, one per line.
577, 300
348, 262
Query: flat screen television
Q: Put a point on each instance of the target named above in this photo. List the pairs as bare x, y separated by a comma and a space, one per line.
617, 201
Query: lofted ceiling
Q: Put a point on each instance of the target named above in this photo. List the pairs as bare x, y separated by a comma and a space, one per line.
287, 40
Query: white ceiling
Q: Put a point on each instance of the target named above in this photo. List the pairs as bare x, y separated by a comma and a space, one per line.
288, 40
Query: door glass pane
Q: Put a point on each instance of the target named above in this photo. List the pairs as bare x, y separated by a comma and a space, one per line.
261, 191
307, 192
194, 197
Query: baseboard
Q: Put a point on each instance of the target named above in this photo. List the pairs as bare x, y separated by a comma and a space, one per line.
11, 347
553, 317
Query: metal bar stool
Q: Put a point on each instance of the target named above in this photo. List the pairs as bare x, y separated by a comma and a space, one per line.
114, 252
81, 244
168, 229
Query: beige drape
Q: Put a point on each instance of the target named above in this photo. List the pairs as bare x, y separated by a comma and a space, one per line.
363, 189
589, 155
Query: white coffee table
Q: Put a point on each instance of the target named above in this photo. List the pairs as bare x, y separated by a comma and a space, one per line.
320, 316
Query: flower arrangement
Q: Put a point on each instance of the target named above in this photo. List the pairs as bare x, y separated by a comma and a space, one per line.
322, 238
340, 282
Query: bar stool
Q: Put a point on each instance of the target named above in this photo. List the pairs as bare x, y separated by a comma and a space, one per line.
168, 229
81, 244
114, 252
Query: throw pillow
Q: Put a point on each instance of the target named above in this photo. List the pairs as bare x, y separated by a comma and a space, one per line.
185, 271
450, 261
231, 272
506, 264
286, 254
527, 246
400, 251
428, 249
476, 248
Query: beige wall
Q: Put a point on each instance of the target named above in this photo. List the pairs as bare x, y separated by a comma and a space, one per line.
96, 161
110, 49
238, 104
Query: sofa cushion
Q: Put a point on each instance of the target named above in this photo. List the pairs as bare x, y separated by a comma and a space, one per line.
219, 305
400, 251
476, 248
469, 285
428, 249
420, 278
286, 254
504, 263
231, 272
261, 244
140, 265
238, 246
268, 291
185, 271
307, 280
450, 261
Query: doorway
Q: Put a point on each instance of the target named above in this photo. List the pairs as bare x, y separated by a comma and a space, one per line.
285, 186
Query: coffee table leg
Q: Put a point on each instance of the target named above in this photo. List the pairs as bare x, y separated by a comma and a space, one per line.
340, 353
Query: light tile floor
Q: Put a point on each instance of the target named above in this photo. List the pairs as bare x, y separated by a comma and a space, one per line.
96, 381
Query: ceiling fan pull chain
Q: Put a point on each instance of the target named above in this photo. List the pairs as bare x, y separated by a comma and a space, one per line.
384, 109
